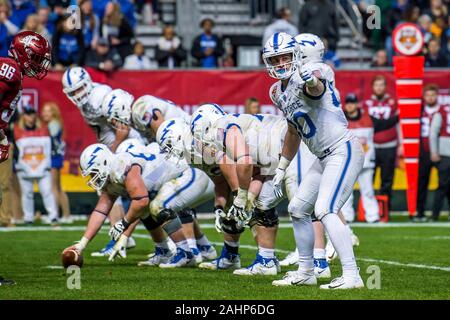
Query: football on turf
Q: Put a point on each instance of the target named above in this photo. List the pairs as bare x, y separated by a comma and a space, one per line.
71, 258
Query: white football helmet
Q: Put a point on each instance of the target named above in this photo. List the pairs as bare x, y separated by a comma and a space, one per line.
77, 85
202, 122
170, 136
128, 144
141, 115
311, 47
280, 44
95, 161
117, 106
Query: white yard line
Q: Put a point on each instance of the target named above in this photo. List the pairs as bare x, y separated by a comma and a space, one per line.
211, 226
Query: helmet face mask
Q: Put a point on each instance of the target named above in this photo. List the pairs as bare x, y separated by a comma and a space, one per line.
77, 85
95, 163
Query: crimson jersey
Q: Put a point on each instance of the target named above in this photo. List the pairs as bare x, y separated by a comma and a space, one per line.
384, 108
10, 89
445, 126
425, 121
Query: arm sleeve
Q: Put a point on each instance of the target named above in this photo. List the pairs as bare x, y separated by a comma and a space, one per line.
434, 132
384, 124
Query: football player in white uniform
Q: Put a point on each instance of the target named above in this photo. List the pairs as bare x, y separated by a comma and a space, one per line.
313, 111
148, 112
117, 108
135, 175
88, 97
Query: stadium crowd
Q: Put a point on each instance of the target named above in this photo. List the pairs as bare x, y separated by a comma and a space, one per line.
106, 41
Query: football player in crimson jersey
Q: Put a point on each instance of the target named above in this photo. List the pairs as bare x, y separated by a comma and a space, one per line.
29, 54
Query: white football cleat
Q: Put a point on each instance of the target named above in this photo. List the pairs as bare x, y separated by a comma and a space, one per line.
181, 259
291, 259
344, 283
155, 259
106, 251
330, 252
296, 278
321, 269
197, 255
131, 243
208, 252
355, 240
261, 266
226, 260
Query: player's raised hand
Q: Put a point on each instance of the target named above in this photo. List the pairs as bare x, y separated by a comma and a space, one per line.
278, 182
118, 228
307, 74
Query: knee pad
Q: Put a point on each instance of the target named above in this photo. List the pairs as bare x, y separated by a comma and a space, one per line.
230, 226
172, 225
150, 223
186, 216
166, 215
265, 218
299, 208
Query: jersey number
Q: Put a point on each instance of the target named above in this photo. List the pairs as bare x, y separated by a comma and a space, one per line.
6, 71
307, 120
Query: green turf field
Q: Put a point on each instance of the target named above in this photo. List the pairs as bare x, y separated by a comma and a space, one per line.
413, 259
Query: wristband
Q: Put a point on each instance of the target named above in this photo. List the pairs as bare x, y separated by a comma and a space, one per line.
312, 82
284, 163
82, 244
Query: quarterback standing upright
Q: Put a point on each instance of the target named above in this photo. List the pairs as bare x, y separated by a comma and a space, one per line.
29, 54
314, 114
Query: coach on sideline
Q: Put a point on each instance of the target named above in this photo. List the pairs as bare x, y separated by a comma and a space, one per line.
440, 153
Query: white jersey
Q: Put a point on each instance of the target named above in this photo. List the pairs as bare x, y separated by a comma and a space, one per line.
264, 134
168, 109
320, 121
157, 169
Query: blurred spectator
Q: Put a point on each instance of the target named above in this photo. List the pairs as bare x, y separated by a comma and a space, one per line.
169, 51
103, 57
330, 57
138, 60
67, 45
51, 116
425, 26
33, 143
117, 30
207, 47
360, 124
44, 19
252, 106
127, 8
435, 58
8, 27
380, 59
412, 14
282, 24
319, 17
32, 23
21, 9
90, 24
429, 107
228, 60
383, 111
440, 153
99, 7
437, 9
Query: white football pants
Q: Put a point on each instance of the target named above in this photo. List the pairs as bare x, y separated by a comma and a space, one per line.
369, 201
45, 188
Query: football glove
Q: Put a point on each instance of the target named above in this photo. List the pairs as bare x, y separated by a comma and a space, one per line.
118, 228
220, 214
118, 248
277, 180
307, 74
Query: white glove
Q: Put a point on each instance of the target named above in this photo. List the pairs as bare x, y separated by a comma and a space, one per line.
118, 228
218, 211
308, 76
118, 247
277, 180
237, 210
